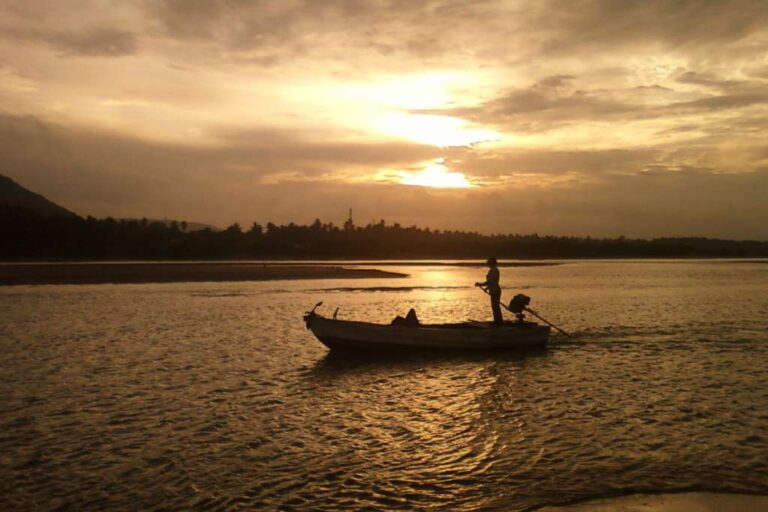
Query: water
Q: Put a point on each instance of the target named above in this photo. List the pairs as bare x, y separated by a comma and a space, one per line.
215, 396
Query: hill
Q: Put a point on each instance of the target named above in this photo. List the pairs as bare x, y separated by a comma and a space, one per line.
13, 195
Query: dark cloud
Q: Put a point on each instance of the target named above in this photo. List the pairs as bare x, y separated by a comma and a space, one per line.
761, 72
241, 24
547, 104
551, 103
709, 80
501, 163
434, 28
714, 103
535, 110
106, 174
279, 152
576, 25
95, 42
555, 82
265, 32
744, 87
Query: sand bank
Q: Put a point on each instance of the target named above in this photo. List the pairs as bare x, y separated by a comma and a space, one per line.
95, 273
684, 502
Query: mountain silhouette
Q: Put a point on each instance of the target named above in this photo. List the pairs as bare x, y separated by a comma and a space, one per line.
13, 195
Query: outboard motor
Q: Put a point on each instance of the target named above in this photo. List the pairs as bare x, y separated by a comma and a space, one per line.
309, 315
518, 304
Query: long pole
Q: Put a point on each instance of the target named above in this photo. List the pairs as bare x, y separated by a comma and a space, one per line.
546, 321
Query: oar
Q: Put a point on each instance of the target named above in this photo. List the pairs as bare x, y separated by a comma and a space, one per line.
544, 320
531, 312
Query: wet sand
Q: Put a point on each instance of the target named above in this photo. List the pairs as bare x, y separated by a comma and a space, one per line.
96, 273
685, 502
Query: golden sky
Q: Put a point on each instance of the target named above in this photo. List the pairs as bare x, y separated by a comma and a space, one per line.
603, 118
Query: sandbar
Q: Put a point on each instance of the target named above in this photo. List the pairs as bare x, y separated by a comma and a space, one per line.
683, 502
102, 273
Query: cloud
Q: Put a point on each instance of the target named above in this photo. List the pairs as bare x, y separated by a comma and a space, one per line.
12, 80
554, 161
392, 32
356, 33
187, 19
554, 102
574, 26
712, 81
535, 110
715, 103
603, 109
433, 29
102, 173
94, 42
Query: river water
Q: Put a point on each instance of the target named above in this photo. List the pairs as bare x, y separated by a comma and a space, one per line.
214, 396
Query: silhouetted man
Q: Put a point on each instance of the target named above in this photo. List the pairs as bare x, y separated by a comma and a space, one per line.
491, 285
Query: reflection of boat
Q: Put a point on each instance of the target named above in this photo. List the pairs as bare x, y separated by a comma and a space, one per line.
348, 335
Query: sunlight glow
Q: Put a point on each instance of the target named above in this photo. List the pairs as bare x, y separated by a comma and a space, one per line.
407, 107
436, 130
436, 175
404, 92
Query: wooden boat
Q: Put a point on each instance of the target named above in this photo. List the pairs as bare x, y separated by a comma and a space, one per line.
364, 336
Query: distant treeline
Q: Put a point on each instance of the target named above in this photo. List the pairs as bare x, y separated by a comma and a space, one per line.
27, 235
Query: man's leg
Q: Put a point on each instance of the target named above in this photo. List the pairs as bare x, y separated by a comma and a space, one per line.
496, 308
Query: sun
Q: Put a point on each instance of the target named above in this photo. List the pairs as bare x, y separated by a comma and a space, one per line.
436, 175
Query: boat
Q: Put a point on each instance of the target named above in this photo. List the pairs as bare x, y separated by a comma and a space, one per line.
348, 335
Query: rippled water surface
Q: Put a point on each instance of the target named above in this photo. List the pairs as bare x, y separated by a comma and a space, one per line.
215, 396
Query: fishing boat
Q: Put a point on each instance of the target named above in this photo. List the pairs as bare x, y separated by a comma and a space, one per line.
364, 336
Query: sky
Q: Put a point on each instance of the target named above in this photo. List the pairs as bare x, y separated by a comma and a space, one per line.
585, 118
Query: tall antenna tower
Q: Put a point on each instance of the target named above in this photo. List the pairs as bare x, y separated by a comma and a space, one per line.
349, 225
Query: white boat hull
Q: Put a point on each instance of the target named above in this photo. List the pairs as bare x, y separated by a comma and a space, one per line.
346, 335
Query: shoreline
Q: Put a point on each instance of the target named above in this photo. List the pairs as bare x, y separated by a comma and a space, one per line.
674, 502
172, 272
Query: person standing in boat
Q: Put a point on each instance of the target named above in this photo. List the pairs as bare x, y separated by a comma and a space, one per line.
491, 285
